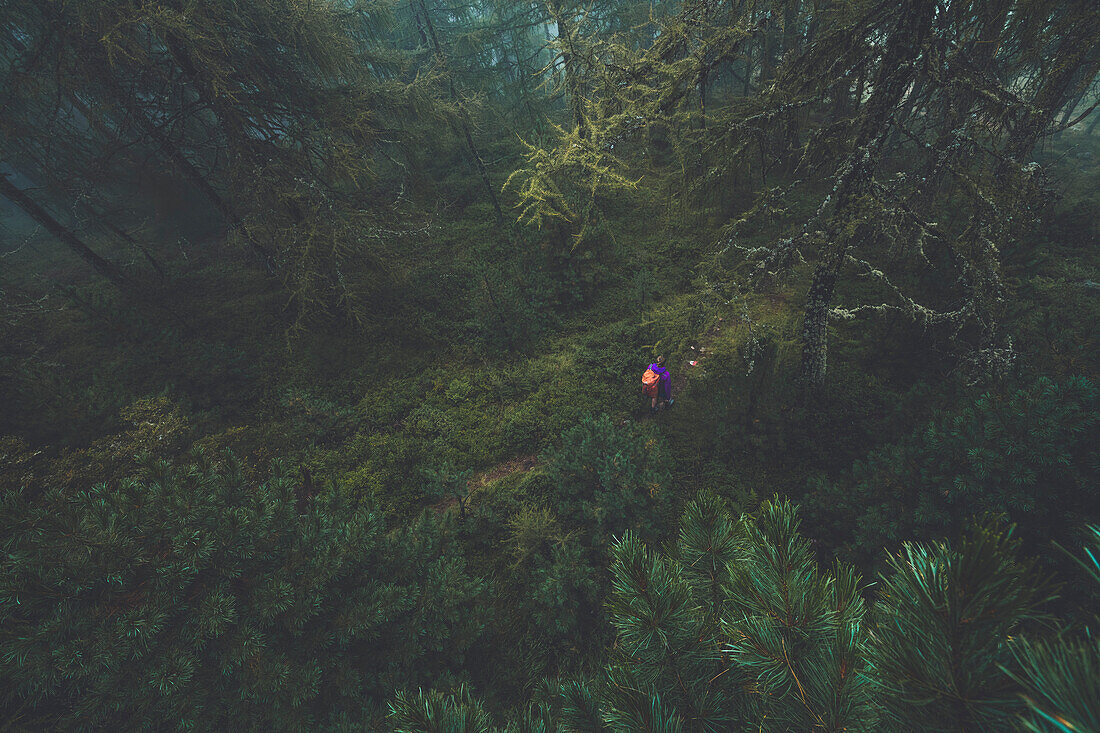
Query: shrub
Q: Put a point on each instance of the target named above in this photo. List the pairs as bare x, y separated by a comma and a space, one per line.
192, 598
609, 477
1030, 455
797, 647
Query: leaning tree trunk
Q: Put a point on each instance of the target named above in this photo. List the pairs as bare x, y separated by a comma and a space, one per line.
105, 268
186, 167
156, 135
1071, 106
1094, 124
160, 140
1077, 61
849, 227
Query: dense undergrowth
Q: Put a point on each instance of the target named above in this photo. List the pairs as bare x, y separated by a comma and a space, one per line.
493, 394
466, 363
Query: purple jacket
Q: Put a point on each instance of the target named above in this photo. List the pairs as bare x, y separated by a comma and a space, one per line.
664, 387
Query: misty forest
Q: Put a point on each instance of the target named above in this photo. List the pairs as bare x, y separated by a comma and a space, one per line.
546, 366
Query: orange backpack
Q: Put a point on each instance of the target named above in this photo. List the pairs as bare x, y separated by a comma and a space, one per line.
650, 380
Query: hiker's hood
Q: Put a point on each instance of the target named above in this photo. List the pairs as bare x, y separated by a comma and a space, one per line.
658, 369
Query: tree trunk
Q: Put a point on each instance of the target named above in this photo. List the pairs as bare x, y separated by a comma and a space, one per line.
566, 29
848, 227
102, 266
105, 268
1070, 106
199, 181
815, 322
525, 91
769, 42
419, 25
184, 166
703, 99
122, 234
746, 82
233, 127
1093, 125
464, 118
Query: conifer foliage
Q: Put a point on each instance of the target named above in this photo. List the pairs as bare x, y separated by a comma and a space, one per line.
192, 598
1061, 676
945, 616
272, 110
739, 628
1029, 454
773, 193
609, 476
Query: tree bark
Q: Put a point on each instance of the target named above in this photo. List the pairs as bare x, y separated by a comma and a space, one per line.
848, 226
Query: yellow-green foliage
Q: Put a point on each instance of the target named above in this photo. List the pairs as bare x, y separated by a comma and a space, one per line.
561, 183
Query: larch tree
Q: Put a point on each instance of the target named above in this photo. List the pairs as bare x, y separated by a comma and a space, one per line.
880, 112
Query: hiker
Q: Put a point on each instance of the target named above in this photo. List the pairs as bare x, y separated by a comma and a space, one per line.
657, 385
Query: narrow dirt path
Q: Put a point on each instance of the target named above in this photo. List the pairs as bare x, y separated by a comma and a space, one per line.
519, 464
499, 471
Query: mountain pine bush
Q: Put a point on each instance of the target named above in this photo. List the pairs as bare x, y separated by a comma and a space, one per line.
609, 477
738, 628
190, 598
1030, 455
1061, 674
